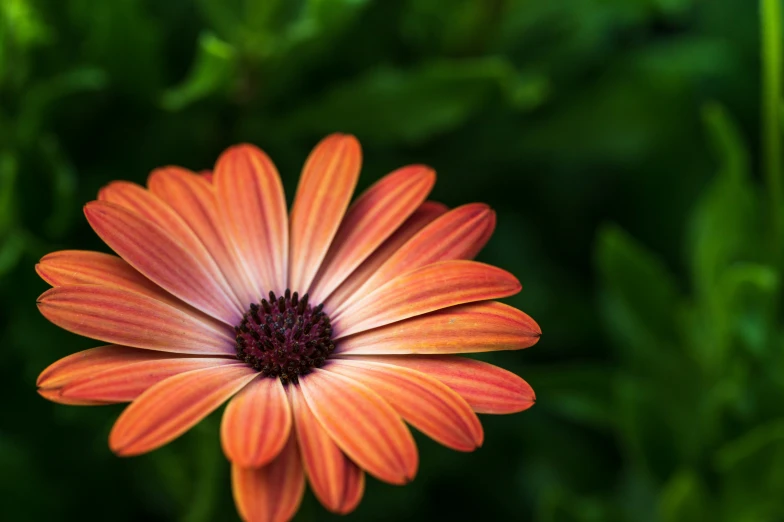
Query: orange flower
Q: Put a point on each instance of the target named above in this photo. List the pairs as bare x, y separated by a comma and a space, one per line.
329, 326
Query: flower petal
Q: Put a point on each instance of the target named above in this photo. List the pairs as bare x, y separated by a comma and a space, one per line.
94, 360
370, 220
470, 328
425, 403
193, 197
363, 425
252, 207
487, 388
53, 394
325, 188
459, 234
423, 216
337, 482
82, 267
430, 288
168, 409
256, 423
118, 316
272, 493
165, 260
125, 383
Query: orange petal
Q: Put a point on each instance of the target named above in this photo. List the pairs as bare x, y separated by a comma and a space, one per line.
337, 482
256, 423
82, 267
363, 425
487, 388
164, 259
427, 289
370, 220
168, 409
53, 394
193, 197
152, 208
471, 328
425, 403
423, 216
87, 362
272, 493
118, 316
325, 188
459, 234
125, 383
252, 207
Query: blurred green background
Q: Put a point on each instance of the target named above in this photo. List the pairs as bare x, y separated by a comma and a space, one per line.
626, 145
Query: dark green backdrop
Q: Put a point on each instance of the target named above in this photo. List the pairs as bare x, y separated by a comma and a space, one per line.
619, 141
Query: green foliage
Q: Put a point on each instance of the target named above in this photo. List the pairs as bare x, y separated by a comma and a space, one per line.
628, 203
711, 356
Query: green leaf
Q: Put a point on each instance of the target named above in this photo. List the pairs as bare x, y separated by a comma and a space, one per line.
723, 223
577, 392
394, 105
37, 101
684, 498
749, 445
212, 71
641, 297
724, 231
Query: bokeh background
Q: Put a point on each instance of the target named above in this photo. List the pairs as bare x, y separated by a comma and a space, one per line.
622, 142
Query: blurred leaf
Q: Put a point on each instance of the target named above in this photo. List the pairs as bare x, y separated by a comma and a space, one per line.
123, 39
393, 105
35, 103
62, 182
212, 71
722, 223
642, 297
749, 445
577, 392
723, 231
684, 499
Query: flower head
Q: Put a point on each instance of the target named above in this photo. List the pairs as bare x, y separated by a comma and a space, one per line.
324, 328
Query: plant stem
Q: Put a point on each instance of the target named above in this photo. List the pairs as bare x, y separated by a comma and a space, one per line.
770, 29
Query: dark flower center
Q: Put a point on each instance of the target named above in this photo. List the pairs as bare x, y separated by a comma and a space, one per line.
284, 337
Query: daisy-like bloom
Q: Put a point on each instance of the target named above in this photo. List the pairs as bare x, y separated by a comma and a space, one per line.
326, 328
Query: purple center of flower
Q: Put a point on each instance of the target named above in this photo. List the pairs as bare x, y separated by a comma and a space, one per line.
284, 337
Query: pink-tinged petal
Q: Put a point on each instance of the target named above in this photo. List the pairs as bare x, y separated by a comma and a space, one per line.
127, 382
337, 482
272, 493
363, 425
487, 388
256, 423
206, 174
423, 216
164, 260
149, 206
53, 394
371, 220
471, 328
424, 402
168, 409
81, 267
459, 234
92, 361
118, 316
427, 289
328, 180
252, 207
193, 197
